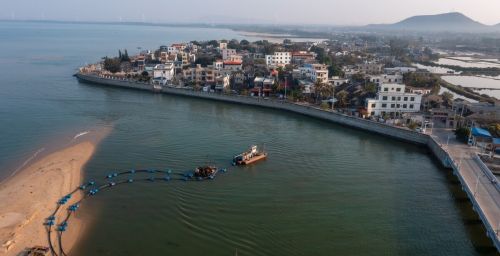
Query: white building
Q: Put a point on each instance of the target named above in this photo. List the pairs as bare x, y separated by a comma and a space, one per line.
336, 81
387, 79
162, 73
392, 100
222, 82
279, 59
402, 70
222, 45
218, 64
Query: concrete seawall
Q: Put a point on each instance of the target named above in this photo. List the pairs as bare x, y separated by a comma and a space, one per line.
363, 124
446, 158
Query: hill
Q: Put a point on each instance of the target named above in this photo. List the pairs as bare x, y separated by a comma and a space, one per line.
451, 22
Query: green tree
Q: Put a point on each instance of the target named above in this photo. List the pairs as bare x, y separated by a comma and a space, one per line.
371, 88
447, 98
112, 64
462, 134
342, 98
335, 70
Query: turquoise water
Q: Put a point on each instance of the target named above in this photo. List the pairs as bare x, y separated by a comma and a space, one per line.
325, 189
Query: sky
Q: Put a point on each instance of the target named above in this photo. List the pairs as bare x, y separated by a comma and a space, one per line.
327, 12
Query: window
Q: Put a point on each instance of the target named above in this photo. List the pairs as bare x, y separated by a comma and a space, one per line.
386, 89
405, 106
393, 105
399, 98
384, 105
384, 98
374, 105
405, 99
398, 89
398, 105
393, 98
411, 106
412, 99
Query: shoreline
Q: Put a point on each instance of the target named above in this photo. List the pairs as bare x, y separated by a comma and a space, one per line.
436, 147
28, 197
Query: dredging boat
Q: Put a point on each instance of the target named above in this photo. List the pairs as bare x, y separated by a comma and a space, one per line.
249, 157
206, 172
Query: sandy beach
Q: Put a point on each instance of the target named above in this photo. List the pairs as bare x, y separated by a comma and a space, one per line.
30, 196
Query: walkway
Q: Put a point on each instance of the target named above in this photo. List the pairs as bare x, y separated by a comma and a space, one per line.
478, 182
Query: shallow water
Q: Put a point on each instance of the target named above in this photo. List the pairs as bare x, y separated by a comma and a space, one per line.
488, 85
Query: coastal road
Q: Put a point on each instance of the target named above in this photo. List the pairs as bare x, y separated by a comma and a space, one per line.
478, 180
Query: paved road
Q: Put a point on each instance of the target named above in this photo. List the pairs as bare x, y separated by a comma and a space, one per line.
477, 179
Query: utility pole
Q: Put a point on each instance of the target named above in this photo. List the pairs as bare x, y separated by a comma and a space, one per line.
285, 87
333, 96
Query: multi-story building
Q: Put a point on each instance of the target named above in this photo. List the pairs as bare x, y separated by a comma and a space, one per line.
227, 53
279, 59
392, 100
218, 64
176, 48
233, 65
302, 57
315, 72
370, 68
200, 75
163, 73
222, 83
387, 79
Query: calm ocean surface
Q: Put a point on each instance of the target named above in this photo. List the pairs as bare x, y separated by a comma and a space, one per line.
325, 189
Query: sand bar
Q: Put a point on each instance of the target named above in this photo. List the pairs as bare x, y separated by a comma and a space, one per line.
30, 196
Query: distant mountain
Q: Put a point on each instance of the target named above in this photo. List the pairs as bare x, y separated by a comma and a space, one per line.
452, 22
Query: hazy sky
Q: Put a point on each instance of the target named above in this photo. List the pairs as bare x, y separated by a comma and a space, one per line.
332, 12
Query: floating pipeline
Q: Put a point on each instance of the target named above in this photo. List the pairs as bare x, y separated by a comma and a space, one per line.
111, 180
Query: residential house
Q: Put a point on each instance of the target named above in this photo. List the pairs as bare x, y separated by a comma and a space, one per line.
163, 73
302, 57
227, 53
315, 72
222, 83
370, 68
392, 99
279, 59
263, 87
336, 80
386, 79
199, 75
233, 65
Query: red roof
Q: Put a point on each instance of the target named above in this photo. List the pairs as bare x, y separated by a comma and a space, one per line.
232, 62
302, 54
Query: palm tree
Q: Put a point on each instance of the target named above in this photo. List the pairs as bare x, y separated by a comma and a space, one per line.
342, 98
322, 90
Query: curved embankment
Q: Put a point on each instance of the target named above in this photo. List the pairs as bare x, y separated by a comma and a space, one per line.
367, 125
27, 198
443, 155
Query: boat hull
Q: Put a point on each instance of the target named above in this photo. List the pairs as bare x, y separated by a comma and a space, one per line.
252, 160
